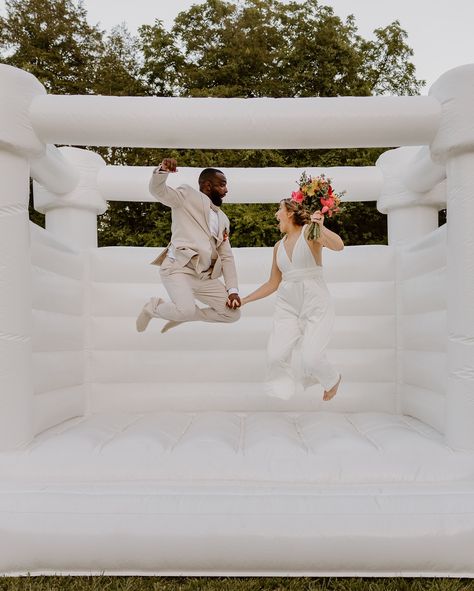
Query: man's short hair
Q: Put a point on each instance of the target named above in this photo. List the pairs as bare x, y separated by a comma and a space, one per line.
207, 174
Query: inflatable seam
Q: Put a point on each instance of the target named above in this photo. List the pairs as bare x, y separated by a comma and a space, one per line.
46, 271
53, 432
5, 336
241, 448
362, 434
463, 373
118, 432
416, 429
183, 433
462, 339
38, 392
300, 435
87, 307
9, 210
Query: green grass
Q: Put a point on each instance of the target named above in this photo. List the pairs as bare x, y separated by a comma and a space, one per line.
105, 583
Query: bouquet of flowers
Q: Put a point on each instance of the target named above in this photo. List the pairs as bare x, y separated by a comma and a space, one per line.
317, 194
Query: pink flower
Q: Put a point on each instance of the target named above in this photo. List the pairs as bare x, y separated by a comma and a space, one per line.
297, 196
325, 209
329, 203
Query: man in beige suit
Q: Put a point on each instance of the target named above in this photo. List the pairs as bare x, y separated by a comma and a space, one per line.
198, 254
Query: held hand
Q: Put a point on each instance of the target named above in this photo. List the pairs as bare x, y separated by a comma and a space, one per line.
168, 165
318, 218
233, 301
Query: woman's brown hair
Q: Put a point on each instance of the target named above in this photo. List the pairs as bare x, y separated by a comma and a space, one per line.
300, 215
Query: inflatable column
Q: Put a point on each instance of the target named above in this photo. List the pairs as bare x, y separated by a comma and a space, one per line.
72, 217
18, 144
410, 214
454, 146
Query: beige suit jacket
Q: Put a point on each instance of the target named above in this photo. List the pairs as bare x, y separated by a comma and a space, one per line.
190, 232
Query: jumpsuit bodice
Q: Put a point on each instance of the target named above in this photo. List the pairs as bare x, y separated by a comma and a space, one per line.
302, 264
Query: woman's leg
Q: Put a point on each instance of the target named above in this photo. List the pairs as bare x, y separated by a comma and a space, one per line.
286, 331
316, 366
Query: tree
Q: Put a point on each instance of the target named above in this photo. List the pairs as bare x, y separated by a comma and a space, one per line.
272, 48
118, 68
53, 40
389, 69
228, 49
162, 60
323, 54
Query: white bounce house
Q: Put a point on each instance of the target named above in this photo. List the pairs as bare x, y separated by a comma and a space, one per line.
130, 453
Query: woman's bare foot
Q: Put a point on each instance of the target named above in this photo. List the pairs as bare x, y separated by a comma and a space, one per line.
328, 394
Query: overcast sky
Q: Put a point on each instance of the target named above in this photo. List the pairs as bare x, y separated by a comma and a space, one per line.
441, 33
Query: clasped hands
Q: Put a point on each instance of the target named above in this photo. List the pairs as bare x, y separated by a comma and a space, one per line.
233, 301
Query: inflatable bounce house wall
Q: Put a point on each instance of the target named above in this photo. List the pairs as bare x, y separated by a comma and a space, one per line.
130, 453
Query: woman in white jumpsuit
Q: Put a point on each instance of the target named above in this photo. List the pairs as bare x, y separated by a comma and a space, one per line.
304, 313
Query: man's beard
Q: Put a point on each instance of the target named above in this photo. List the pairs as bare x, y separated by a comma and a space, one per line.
216, 198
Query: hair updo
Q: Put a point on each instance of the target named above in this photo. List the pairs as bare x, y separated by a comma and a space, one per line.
300, 215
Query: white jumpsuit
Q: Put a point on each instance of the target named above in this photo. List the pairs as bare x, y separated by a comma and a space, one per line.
302, 325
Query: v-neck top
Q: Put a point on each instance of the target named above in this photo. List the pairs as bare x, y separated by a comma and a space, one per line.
302, 256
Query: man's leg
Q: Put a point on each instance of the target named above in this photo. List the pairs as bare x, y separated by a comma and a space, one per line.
213, 293
184, 289
182, 306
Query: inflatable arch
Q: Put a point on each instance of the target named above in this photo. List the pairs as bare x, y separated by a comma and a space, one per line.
131, 453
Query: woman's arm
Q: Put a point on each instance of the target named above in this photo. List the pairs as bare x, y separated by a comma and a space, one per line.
330, 239
327, 238
270, 286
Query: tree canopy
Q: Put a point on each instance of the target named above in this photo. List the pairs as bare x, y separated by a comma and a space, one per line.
249, 48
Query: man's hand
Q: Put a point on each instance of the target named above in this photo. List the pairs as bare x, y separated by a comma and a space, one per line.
233, 301
168, 165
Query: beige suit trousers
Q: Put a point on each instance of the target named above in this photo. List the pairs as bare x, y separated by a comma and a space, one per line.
184, 286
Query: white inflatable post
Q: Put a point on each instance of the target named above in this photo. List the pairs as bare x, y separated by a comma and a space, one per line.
410, 214
72, 217
17, 144
454, 146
